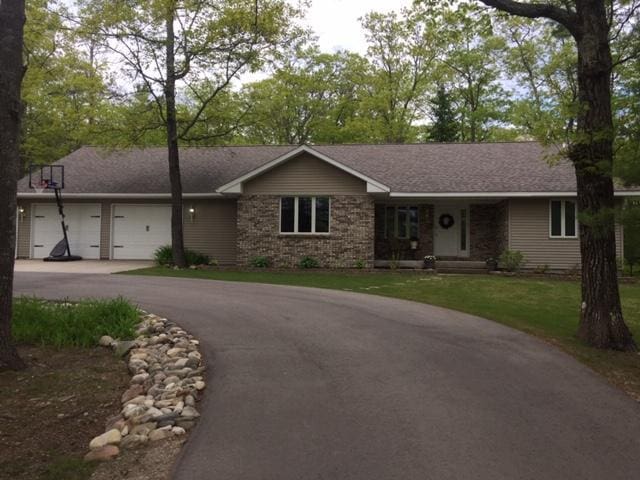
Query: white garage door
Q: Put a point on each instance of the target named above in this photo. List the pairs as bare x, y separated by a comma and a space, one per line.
138, 230
83, 229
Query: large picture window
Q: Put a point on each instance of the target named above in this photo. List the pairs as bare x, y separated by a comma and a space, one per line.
563, 221
304, 214
401, 221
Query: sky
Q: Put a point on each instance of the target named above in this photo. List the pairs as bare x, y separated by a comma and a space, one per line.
336, 24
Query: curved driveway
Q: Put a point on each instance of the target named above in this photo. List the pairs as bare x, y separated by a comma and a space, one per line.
317, 384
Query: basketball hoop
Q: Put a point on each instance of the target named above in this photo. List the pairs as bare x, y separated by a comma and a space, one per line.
41, 186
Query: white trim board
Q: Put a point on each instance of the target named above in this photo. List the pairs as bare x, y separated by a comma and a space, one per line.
51, 196
497, 194
235, 186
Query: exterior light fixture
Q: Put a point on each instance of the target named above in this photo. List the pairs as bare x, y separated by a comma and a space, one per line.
21, 213
192, 213
413, 243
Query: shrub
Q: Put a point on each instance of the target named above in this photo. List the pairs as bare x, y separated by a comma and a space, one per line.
39, 322
259, 262
196, 258
164, 256
308, 262
511, 260
541, 269
360, 264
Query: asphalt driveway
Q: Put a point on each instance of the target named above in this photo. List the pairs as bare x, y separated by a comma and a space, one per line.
318, 384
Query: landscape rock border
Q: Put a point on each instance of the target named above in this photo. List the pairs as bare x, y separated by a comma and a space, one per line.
167, 381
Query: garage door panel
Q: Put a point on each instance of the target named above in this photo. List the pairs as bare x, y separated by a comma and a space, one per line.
138, 230
83, 229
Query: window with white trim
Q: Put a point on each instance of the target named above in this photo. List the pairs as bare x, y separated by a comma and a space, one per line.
304, 214
563, 219
401, 221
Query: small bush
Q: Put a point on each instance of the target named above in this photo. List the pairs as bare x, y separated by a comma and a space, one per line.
541, 269
360, 264
38, 322
511, 260
195, 258
259, 262
164, 256
308, 262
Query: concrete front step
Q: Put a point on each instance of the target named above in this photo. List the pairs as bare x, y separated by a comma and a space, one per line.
464, 264
461, 271
442, 266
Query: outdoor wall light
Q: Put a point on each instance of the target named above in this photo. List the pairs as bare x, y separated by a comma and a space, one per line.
192, 214
21, 213
413, 243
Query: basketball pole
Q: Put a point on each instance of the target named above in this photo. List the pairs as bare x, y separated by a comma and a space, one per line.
64, 226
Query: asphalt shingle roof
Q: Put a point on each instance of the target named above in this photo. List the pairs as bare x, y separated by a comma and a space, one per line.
420, 168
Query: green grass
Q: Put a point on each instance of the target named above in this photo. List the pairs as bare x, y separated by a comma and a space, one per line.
69, 468
61, 324
545, 307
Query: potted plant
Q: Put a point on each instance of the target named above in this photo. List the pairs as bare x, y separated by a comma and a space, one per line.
429, 262
492, 264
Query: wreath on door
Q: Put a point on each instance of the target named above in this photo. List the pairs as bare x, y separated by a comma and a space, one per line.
446, 221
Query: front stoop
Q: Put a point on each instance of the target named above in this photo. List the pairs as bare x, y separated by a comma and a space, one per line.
461, 266
442, 266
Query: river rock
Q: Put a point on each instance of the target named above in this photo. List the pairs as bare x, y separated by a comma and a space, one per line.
111, 437
101, 454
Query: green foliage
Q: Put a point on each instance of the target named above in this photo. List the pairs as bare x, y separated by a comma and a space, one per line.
164, 256
39, 322
259, 262
214, 41
511, 260
360, 264
64, 90
445, 126
308, 262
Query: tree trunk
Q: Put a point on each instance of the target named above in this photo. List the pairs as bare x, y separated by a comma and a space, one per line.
601, 321
11, 71
591, 151
177, 237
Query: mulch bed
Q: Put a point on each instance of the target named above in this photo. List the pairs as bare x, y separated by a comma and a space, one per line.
50, 411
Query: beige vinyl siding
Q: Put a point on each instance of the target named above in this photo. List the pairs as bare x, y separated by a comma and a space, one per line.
24, 229
529, 233
305, 174
213, 229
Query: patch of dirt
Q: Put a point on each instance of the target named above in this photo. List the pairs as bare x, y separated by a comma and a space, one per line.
50, 411
151, 461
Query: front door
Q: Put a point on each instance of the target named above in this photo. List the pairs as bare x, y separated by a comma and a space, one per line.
451, 231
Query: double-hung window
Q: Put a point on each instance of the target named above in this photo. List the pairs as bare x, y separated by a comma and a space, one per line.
401, 221
304, 214
563, 221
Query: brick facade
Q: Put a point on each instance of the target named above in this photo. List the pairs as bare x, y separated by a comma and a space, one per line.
351, 237
489, 230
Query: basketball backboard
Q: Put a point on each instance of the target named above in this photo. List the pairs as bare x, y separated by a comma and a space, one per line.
46, 177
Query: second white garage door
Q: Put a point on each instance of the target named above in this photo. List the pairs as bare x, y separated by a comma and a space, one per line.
138, 230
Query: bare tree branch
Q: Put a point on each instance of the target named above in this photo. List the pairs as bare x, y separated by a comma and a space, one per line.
565, 17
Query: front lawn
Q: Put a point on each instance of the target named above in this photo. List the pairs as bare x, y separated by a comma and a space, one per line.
62, 324
544, 307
